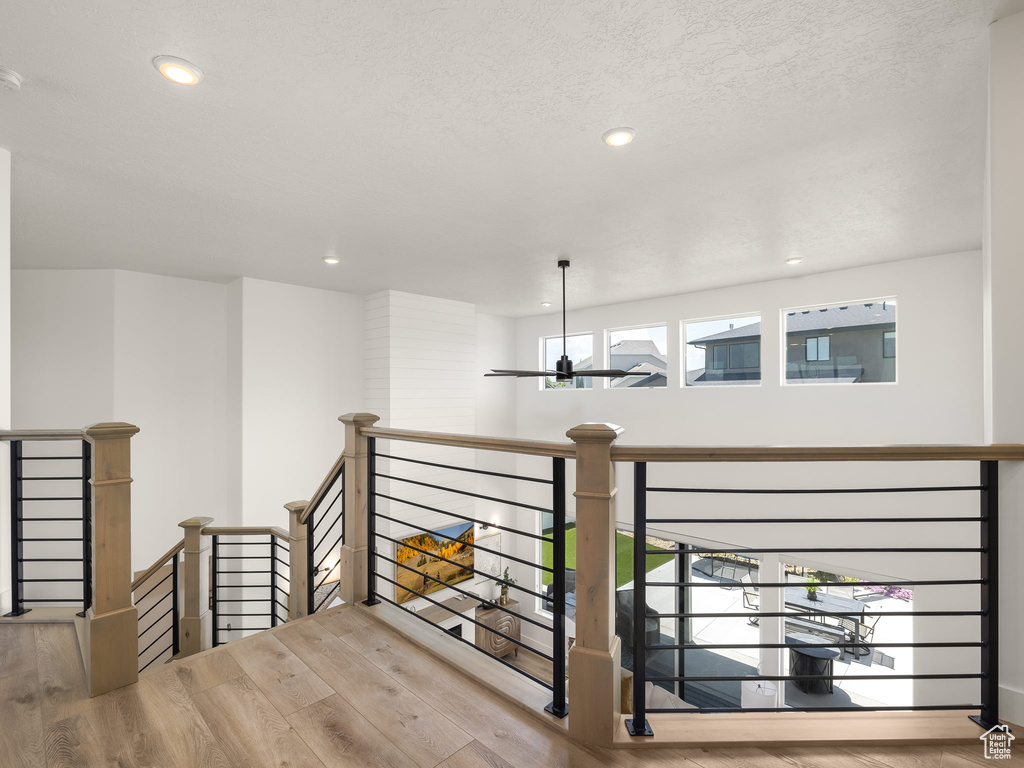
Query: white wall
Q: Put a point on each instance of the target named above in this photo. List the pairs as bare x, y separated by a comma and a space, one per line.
297, 365
62, 347
169, 380
236, 388
940, 366
5, 360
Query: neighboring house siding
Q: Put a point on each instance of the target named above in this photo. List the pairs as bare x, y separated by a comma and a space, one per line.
854, 353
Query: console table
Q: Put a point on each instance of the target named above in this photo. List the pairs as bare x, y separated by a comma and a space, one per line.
504, 619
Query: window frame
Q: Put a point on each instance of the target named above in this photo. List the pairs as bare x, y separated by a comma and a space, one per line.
683, 347
817, 349
784, 362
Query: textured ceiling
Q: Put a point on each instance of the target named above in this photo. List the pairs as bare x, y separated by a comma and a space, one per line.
454, 148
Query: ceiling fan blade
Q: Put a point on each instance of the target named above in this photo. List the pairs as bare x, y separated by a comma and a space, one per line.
507, 372
613, 373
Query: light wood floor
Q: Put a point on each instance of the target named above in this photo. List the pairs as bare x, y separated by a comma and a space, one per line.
338, 689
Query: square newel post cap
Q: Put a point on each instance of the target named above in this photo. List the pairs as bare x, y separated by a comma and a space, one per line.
110, 430
359, 419
195, 522
296, 506
594, 432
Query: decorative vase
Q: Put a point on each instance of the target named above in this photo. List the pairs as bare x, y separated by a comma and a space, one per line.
504, 596
812, 596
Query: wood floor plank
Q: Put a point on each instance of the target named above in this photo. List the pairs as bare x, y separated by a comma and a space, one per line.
475, 755
284, 679
249, 730
344, 621
500, 726
17, 649
63, 688
21, 724
119, 730
342, 738
198, 673
419, 730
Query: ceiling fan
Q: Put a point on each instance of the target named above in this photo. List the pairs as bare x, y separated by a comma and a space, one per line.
563, 368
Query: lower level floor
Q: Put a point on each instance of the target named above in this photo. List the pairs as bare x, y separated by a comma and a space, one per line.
337, 689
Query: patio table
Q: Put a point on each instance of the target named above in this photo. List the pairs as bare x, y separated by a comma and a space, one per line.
796, 597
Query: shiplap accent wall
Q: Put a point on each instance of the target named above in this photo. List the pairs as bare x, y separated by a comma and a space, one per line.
421, 374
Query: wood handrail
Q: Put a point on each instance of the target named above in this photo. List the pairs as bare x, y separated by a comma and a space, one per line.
250, 530
158, 564
42, 434
1004, 452
324, 487
503, 444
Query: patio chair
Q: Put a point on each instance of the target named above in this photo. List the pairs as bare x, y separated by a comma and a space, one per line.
751, 599
865, 629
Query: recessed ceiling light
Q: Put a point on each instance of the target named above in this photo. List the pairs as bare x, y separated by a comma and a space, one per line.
618, 137
545, 303
331, 259
793, 261
178, 70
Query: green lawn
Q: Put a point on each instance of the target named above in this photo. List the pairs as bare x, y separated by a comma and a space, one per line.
623, 557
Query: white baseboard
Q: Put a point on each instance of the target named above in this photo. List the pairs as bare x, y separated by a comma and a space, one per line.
5, 601
1011, 704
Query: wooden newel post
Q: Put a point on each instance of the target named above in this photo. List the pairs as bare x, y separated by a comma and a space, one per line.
196, 623
298, 561
111, 629
354, 550
594, 661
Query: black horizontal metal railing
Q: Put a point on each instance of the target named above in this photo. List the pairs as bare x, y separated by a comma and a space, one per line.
165, 605
555, 602
231, 591
71, 532
987, 583
322, 559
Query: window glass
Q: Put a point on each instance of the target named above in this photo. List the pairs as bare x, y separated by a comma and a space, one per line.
841, 344
722, 352
643, 353
580, 350
889, 344
720, 355
817, 348
744, 355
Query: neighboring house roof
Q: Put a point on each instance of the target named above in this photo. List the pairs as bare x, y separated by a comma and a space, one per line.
645, 368
845, 316
625, 347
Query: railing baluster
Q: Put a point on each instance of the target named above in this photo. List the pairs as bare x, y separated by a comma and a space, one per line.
86, 527
558, 705
273, 580
213, 589
371, 526
638, 725
176, 635
17, 534
311, 567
